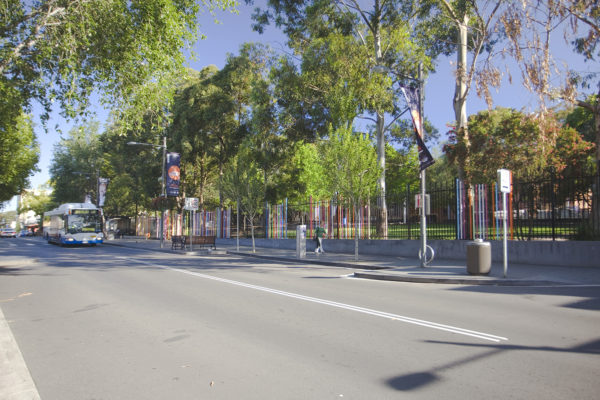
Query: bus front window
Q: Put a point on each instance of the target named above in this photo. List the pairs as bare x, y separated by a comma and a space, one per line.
88, 221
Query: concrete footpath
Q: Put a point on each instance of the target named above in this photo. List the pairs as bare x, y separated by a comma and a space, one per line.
396, 268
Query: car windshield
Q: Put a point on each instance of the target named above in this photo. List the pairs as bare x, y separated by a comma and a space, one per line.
84, 221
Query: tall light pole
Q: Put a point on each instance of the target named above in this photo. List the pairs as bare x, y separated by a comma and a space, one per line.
423, 209
423, 190
163, 190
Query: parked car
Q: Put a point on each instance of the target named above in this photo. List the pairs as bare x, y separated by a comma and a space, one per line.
8, 232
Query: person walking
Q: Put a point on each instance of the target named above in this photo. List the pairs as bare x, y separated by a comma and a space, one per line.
319, 234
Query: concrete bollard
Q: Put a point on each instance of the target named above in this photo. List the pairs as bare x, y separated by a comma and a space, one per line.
301, 241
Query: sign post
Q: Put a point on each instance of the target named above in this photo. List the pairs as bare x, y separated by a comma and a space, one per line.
191, 204
504, 180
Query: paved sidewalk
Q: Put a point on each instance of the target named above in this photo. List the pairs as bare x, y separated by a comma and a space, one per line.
399, 268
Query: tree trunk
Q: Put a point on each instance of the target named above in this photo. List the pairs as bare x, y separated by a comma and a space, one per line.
252, 230
594, 107
356, 225
382, 214
596, 184
460, 93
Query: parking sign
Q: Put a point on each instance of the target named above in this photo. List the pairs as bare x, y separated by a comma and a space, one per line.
191, 204
504, 180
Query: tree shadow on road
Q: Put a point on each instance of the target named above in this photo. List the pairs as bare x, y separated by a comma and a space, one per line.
418, 380
590, 294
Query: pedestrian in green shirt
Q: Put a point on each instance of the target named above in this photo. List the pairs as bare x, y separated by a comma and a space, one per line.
319, 235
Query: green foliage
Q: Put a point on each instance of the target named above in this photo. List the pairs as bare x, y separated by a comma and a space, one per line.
402, 169
310, 173
63, 51
75, 164
300, 109
581, 119
526, 144
19, 154
243, 182
120, 196
39, 201
134, 171
213, 112
402, 133
350, 162
442, 172
201, 113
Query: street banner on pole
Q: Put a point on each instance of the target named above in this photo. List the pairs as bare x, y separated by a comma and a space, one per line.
412, 99
173, 174
102, 186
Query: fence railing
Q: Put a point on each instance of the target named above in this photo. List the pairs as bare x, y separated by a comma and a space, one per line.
550, 209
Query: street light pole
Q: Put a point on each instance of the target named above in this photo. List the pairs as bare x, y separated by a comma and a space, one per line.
164, 193
423, 208
423, 189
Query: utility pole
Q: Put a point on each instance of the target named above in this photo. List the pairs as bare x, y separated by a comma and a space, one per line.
423, 189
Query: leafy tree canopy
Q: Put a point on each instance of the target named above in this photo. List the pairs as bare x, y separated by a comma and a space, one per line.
528, 145
350, 162
64, 50
75, 164
19, 154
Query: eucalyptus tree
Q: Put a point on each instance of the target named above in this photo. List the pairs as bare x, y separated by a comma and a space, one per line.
246, 85
302, 112
388, 48
475, 24
532, 29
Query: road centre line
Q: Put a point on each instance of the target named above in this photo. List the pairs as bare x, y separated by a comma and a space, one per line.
395, 317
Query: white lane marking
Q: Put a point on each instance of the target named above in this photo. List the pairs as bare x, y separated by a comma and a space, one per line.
395, 317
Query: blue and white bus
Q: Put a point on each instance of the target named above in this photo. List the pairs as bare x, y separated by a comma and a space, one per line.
74, 223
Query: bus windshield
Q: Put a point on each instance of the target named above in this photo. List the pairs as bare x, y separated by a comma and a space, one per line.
84, 221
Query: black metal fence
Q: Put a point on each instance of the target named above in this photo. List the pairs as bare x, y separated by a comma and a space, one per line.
557, 208
550, 209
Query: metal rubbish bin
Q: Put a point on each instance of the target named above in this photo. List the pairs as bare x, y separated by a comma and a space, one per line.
479, 257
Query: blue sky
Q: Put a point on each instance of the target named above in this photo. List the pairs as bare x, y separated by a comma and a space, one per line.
235, 29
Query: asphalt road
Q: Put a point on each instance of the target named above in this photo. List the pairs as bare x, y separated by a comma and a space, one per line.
118, 323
